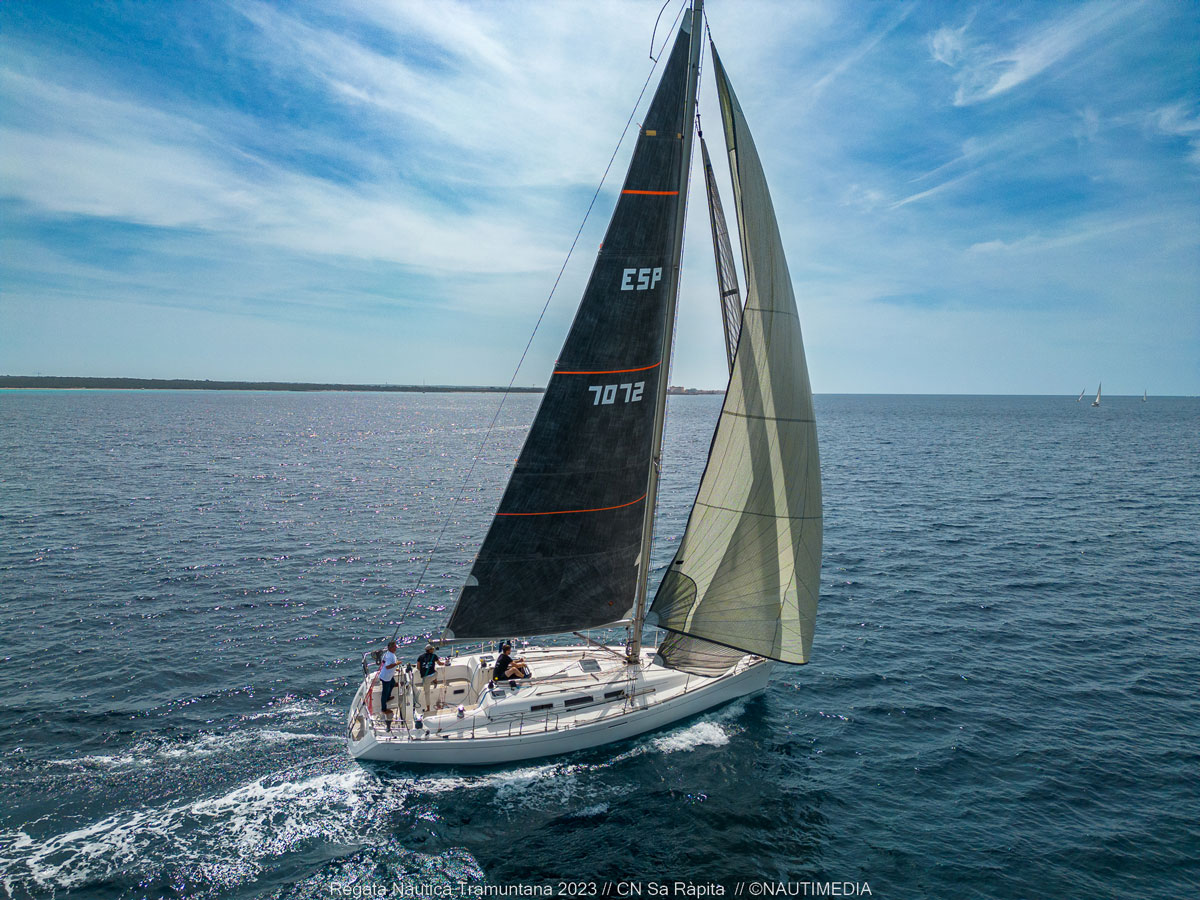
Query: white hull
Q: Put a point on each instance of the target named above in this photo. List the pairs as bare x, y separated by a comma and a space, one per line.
512, 725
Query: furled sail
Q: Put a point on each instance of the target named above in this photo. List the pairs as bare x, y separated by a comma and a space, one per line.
747, 572
562, 551
727, 283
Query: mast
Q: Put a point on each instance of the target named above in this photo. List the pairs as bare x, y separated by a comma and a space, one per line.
689, 104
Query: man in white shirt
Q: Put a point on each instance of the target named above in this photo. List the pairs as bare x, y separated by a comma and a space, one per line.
387, 680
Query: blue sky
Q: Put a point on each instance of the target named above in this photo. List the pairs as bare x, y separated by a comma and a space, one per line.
987, 198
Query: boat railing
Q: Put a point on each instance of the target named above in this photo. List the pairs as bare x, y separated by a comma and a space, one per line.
517, 726
525, 722
518, 721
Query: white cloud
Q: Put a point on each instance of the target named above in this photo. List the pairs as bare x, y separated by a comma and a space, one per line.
858, 53
541, 118
116, 159
1097, 228
985, 72
1088, 127
1177, 120
947, 45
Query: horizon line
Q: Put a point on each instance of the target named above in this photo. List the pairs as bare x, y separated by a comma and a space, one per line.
96, 382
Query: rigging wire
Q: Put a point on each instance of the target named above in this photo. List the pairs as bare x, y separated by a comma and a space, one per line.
654, 33
413, 591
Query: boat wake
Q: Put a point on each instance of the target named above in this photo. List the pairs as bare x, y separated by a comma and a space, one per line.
148, 753
209, 844
215, 842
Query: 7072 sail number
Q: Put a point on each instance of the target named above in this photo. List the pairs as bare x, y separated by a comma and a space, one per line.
605, 394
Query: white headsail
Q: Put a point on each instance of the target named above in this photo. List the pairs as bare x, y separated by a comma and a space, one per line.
747, 572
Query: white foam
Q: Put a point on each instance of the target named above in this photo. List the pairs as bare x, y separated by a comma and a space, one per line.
98, 760
298, 709
587, 812
514, 784
210, 744
699, 735
222, 839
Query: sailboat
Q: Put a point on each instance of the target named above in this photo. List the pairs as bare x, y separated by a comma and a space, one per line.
568, 550
1081, 393
1096, 402
1144, 393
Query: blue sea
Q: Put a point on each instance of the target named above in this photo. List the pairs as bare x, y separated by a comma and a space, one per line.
1003, 699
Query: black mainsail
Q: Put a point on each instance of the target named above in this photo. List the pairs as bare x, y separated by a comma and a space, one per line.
563, 551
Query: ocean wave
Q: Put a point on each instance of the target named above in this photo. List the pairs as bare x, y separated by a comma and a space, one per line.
702, 734
146, 753
216, 841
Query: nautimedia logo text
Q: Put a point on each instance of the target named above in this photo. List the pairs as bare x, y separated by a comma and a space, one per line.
803, 889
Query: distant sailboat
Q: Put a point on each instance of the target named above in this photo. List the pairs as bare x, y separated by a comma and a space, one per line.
1096, 402
1081, 393
1143, 396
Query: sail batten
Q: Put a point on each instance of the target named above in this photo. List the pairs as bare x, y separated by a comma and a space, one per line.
746, 574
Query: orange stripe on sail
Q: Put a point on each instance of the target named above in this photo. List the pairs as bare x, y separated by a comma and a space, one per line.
609, 371
654, 193
563, 512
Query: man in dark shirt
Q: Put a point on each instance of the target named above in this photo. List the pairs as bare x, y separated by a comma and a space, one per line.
427, 664
507, 667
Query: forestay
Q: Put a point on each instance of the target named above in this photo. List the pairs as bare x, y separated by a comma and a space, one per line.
747, 571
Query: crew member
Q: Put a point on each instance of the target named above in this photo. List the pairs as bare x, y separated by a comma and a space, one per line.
427, 664
387, 681
507, 667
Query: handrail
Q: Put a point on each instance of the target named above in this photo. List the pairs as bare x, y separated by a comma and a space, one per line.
366, 654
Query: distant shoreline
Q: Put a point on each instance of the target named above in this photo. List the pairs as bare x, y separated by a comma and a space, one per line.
57, 382
71, 383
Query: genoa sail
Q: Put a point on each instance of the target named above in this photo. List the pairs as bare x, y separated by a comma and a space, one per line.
727, 283
562, 552
747, 572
